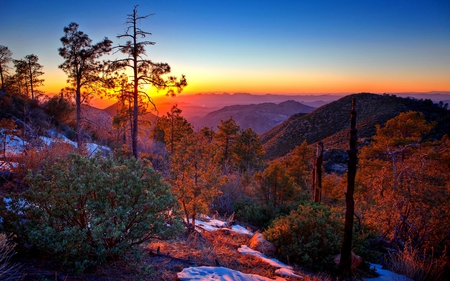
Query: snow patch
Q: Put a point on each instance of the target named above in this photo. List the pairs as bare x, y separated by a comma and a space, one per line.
15, 145
282, 269
386, 275
214, 225
245, 250
208, 273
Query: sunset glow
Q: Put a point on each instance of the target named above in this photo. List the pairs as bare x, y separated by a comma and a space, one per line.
261, 47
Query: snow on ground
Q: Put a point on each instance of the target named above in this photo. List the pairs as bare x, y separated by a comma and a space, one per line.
245, 250
205, 273
208, 273
213, 225
282, 269
15, 145
386, 275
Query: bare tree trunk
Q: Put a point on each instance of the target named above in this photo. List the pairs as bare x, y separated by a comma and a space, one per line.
317, 191
78, 129
346, 250
134, 135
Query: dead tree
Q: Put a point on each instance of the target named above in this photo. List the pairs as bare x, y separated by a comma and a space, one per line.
317, 174
346, 255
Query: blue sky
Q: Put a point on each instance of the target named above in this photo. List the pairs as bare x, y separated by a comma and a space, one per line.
257, 46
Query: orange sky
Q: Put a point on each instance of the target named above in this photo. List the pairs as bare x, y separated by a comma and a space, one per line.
286, 83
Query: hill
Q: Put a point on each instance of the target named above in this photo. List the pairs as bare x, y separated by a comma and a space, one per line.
260, 117
112, 111
330, 123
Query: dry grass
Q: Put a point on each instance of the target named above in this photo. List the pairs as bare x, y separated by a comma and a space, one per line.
8, 269
414, 265
204, 250
175, 255
218, 248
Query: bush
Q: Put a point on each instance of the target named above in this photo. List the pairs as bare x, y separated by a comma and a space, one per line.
88, 211
310, 236
255, 214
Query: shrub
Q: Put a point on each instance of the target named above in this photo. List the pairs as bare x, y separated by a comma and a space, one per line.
310, 236
88, 211
250, 212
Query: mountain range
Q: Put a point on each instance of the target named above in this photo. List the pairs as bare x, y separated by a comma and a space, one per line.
260, 117
331, 122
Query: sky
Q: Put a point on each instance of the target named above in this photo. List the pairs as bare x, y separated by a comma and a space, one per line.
288, 47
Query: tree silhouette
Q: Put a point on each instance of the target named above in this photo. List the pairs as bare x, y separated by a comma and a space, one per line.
171, 129
82, 66
28, 71
145, 72
5, 59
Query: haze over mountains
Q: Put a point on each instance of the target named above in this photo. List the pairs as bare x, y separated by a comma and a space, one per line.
260, 112
260, 117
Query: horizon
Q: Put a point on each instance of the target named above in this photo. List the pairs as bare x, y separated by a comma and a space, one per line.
103, 104
258, 47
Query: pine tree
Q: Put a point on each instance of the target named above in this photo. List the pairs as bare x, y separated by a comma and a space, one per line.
195, 178
145, 72
5, 59
28, 71
82, 66
226, 139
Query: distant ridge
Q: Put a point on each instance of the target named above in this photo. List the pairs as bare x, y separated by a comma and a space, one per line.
260, 117
330, 123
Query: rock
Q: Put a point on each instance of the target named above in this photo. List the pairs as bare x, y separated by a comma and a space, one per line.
259, 243
356, 260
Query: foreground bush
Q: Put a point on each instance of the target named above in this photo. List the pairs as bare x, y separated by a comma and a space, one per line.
310, 236
87, 211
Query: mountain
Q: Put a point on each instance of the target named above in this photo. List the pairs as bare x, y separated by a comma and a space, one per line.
112, 111
219, 100
331, 122
260, 117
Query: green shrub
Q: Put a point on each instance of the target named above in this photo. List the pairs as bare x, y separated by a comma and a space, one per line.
88, 211
249, 212
310, 236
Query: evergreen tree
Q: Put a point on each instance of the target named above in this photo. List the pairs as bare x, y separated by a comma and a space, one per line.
195, 178
28, 71
82, 66
249, 151
404, 183
226, 139
5, 59
145, 72
276, 186
172, 128
299, 165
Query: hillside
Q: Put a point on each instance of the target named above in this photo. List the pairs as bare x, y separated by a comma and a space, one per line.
260, 117
112, 111
330, 123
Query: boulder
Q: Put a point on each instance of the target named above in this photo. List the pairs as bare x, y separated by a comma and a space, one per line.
356, 260
259, 243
